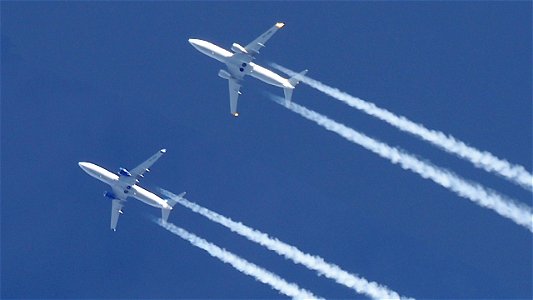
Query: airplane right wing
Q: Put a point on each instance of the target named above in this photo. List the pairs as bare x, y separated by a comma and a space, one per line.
260, 42
116, 211
145, 166
132, 177
234, 92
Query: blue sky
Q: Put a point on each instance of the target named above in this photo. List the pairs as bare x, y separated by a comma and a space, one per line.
112, 83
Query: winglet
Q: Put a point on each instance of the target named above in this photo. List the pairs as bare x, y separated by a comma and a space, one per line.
280, 24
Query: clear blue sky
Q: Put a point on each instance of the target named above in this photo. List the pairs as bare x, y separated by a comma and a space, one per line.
112, 83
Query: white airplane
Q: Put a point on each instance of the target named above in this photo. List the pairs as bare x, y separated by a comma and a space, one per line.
125, 185
239, 64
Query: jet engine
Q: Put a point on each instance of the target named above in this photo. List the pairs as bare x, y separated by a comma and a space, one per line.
238, 48
224, 74
124, 172
109, 195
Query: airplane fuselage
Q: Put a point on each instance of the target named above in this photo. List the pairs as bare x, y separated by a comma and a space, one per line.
228, 58
134, 191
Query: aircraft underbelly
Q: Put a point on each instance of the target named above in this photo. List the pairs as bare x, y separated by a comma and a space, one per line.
147, 197
101, 174
106, 178
218, 53
266, 75
217, 56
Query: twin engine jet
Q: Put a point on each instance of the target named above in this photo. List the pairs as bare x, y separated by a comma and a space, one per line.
239, 64
124, 185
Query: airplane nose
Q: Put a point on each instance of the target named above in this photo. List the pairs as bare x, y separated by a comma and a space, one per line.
84, 165
196, 43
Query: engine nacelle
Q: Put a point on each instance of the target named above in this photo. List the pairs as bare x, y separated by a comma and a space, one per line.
110, 195
124, 172
238, 48
224, 74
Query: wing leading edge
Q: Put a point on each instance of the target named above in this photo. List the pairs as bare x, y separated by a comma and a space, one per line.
260, 42
234, 92
145, 166
116, 211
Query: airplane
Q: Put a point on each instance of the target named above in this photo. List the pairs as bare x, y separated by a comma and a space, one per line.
124, 185
239, 64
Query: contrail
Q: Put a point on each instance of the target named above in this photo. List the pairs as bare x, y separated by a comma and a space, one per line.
481, 159
360, 285
246, 267
519, 213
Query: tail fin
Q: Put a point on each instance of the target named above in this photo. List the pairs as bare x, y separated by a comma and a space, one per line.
171, 201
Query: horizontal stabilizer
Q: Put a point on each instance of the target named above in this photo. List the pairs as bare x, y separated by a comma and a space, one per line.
288, 94
294, 80
172, 201
164, 214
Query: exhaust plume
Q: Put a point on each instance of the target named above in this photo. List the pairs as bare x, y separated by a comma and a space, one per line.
248, 268
519, 213
316, 263
481, 159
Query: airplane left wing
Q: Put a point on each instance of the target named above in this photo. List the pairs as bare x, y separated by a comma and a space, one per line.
234, 92
260, 42
116, 211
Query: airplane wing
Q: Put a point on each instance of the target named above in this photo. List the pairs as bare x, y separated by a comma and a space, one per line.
116, 211
145, 166
260, 42
234, 92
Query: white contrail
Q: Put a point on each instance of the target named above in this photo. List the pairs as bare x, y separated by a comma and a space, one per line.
481, 159
519, 213
360, 285
246, 267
